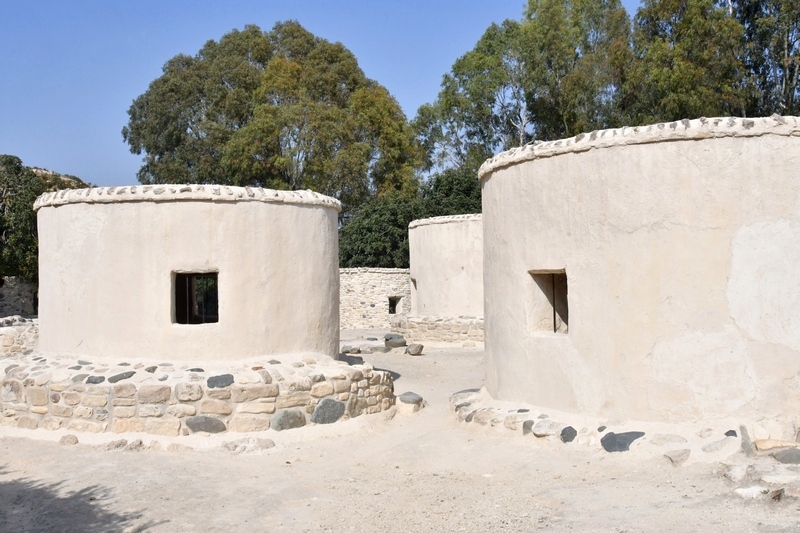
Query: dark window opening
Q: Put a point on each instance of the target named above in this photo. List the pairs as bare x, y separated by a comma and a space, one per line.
196, 298
551, 310
394, 301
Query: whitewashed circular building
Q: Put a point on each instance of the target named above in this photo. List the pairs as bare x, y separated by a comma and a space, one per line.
187, 272
647, 273
446, 268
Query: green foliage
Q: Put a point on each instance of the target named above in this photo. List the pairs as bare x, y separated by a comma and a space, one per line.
771, 55
687, 62
280, 109
19, 187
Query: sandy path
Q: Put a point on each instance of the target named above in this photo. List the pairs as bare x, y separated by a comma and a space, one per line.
412, 473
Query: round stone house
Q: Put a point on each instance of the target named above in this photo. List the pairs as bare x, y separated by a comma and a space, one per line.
446, 260
647, 273
194, 272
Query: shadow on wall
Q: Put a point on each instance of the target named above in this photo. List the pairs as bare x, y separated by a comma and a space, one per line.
30, 505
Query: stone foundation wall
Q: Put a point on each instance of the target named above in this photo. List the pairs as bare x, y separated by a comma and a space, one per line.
16, 297
364, 296
165, 400
18, 335
432, 328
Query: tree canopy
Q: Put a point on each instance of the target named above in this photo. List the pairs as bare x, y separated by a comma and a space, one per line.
19, 187
281, 109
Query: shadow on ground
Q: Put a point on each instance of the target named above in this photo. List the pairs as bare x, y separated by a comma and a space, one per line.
36, 507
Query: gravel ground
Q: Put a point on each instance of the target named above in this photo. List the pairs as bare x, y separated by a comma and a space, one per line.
421, 472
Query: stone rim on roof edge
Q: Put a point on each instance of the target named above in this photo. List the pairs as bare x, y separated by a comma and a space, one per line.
173, 193
683, 130
443, 220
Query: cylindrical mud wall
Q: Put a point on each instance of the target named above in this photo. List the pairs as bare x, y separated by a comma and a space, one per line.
446, 255
647, 273
109, 259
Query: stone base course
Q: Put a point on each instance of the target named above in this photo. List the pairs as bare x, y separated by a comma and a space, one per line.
162, 398
433, 328
18, 335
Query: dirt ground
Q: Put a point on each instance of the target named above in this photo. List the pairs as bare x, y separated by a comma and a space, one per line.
421, 472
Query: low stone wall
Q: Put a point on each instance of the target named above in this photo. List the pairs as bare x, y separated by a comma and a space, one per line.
432, 328
17, 297
163, 399
18, 335
364, 295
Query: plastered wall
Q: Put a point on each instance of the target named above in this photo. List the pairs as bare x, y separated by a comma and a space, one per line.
107, 259
364, 296
680, 244
446, 257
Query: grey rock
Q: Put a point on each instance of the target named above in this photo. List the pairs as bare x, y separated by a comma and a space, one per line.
568, 434
346, 349
470, 416
195, 370
327, 411
788, 456
248, 444
78, 378
68, 440
116, 445
135, 446
206, 424
218, 382
94, 380
120, 377
747, 444
678, 457
288, 419
82, 362
76, 367
545, 428
381, 349
274, 362
619, 442
731, 433
372, 338
601, 429
151, 369
527, 427
411, 398
393, 340
414, 349
716, 446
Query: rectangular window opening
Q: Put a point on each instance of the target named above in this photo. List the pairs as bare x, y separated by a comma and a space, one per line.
196, 298
394, 302
549, 309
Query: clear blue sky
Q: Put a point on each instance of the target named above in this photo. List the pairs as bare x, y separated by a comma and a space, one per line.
70, 70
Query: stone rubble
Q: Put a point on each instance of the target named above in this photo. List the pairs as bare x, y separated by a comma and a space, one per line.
433, 328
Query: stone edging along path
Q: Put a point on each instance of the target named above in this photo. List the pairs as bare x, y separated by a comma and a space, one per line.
163, 398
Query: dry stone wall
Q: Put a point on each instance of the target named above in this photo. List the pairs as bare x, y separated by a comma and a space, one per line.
16, 297
432, 328
365, 293
18, 335
163, 399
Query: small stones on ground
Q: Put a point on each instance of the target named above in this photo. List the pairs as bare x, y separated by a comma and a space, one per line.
394, 340
135, 446
770, 444
274, 362
620, 442
68, 440
116, 445
601, 429
678, 457
747, 444
151, 369
288, 419
545, 428
409, 403
527, 427
568, 434
196, 370
248, 444
731, 433
372, 338
414, 349
94, 380
218, 382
